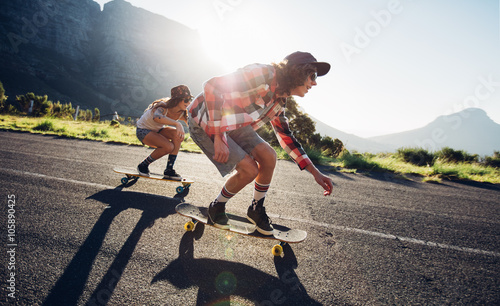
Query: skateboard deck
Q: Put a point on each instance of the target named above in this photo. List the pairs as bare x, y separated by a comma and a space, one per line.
131, 174
242, 225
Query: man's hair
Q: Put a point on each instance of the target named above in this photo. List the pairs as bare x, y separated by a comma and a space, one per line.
291, 76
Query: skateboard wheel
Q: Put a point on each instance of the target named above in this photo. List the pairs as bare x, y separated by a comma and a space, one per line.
277, 250
124, 180
189, 226
179, 189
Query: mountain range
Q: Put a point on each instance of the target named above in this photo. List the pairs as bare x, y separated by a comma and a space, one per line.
122, 58
470, 130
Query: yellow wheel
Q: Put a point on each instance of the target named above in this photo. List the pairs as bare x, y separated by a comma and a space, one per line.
189, 226
277, 250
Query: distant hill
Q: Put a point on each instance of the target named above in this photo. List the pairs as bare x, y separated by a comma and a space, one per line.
352, 142
119, 59
470, 130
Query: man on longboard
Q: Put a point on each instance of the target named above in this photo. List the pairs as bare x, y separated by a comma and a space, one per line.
224, 119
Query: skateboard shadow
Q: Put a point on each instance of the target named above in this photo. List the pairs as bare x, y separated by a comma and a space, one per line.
219, 280
70, 286
134, 181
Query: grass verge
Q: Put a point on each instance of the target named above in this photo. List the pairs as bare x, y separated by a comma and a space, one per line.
99, 131
107, 131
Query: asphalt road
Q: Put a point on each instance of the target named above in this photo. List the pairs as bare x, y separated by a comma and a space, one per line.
82, 238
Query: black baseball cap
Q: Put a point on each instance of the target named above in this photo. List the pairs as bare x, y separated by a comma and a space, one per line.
300, 58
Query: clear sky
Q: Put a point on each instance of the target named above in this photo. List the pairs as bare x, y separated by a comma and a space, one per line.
396, 64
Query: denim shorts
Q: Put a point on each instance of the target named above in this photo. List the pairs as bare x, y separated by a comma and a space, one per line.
241, 142
141, 133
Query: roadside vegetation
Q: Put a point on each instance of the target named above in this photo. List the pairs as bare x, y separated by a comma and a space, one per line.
112, 131
45, 117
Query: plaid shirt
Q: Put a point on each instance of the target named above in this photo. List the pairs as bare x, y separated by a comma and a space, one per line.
246, 97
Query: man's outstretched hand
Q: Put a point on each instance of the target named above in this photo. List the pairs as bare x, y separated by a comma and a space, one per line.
323, 180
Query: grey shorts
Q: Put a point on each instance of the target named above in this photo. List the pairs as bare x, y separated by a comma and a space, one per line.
241, 142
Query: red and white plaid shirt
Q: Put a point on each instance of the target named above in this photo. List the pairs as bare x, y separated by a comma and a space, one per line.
246, 97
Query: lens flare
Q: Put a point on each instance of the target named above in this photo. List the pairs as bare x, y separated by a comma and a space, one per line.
225, 283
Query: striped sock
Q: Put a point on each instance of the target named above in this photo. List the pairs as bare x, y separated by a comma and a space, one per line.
224, 195
260, 191
148, 161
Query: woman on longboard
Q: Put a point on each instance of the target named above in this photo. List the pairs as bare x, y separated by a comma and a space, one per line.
159, 128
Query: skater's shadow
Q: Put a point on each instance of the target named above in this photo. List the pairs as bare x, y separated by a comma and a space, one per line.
218, 280
69, 287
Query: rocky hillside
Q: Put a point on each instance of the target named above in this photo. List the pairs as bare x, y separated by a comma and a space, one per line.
118, 59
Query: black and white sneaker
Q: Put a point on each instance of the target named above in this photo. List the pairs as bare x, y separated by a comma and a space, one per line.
170, 174
143, 170
257, 215
217, 215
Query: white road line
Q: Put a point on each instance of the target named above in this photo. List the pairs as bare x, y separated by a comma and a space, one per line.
57, 178
73, 160
310, 222
395, 237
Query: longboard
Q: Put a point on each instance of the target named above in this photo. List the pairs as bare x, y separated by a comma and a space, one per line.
131, 174
241, 225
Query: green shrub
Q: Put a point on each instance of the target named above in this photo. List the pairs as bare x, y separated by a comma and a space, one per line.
3, 98
59, 110
314, 155
331, 147
94, 132
493, 161
12, 110
45, 126
97, 114
455, 156
416, 156
41, 105
357, 161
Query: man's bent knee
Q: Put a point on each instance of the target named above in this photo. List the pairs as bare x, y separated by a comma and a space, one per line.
265, 155
248, 168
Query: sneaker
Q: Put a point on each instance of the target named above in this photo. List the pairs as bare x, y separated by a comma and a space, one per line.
217, 215
259, 217
170, 174
143, 170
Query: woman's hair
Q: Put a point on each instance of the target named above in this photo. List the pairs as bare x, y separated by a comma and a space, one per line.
289, 77
168, 103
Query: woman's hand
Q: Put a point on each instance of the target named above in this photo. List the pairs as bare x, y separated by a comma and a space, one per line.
180, 130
